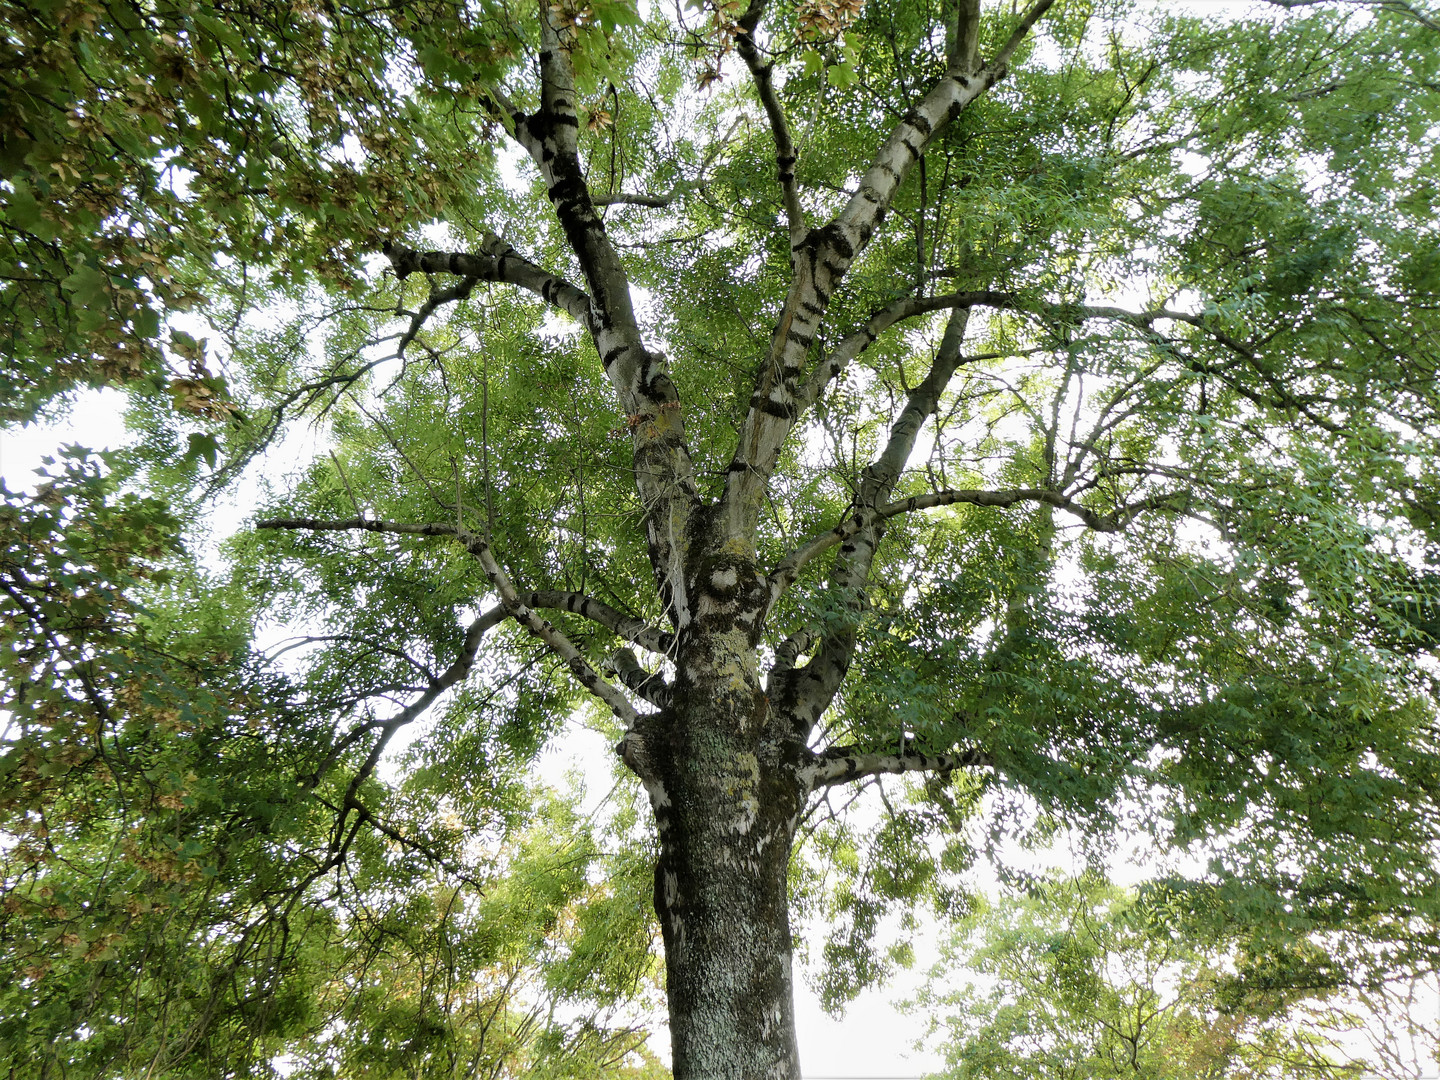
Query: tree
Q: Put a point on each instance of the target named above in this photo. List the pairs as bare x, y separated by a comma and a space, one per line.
1040, 401
1083, 980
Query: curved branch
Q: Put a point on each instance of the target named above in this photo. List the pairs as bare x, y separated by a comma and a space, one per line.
461, 290
789, 568
649, 685
453, 674
852, 345
785, 156
1144, 321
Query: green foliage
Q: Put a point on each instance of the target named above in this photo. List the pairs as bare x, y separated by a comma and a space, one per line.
1213, 617
180, 895
1079, 979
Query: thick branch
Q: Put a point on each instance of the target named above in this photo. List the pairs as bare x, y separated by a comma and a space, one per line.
820, 261
664, 475
551, 635
842, 765
625, 626
964, 52
649, 685
496, 261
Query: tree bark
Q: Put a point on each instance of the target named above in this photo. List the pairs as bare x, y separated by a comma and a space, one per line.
724, 776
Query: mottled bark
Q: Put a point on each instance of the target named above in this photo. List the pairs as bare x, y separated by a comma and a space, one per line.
724, 775
727, 800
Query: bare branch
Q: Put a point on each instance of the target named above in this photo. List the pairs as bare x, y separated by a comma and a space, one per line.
496, 261
789, 568
1399, 7
1021, 31
785, 156
559, 644
625, 626
840, 765
456, 672
649, 685
621, 198
360, 524
1280, 396
677, 190
790, 650
437, 299
852, 345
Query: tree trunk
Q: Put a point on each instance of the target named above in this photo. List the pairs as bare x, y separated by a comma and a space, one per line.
725, 785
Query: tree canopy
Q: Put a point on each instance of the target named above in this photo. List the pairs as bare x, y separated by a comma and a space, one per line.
1082, 979
1037, 404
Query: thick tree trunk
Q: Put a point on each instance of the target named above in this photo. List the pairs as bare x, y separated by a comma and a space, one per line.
720, 894
724, 783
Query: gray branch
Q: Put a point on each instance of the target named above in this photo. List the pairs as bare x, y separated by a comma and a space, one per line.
843, 764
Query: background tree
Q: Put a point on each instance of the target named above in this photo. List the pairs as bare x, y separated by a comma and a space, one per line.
1042, 401
1082, 979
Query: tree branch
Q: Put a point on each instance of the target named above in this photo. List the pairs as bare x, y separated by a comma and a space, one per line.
437, 299
1022, 29
649, 685
785, 157
840, 765
820, 260
808, 692
789, 568
515, 603
963, 54
453, 674
551, 635
1399, 7
852, 345
664, 474
628, 627
496, 261
621, 198
636, 631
